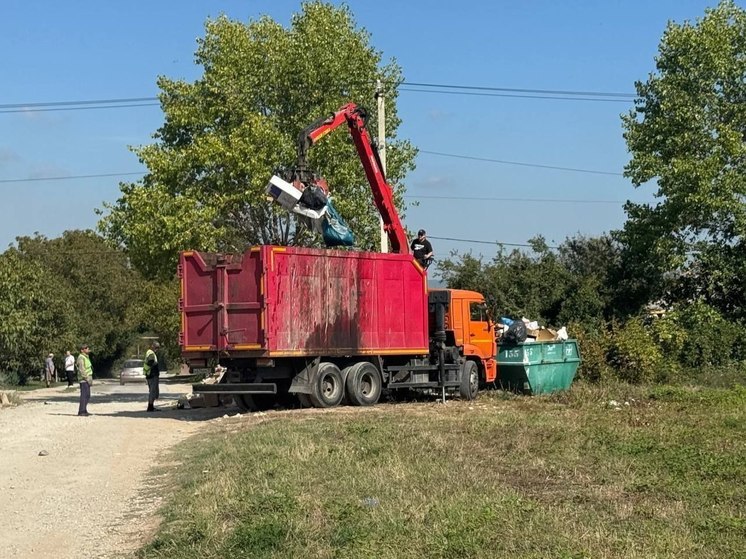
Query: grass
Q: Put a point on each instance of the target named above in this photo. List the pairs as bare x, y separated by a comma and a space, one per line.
566, 475
31, 385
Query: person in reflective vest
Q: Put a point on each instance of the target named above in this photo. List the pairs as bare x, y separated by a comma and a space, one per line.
85, 376
150, 368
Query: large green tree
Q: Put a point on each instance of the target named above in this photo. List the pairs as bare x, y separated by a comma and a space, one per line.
34, 317
686, 135
225, 133
57, 293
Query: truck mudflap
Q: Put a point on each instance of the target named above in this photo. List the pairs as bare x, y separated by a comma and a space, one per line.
301, 383
236, 388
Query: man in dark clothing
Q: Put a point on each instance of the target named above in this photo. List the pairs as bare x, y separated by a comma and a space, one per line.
422, 249
152, 372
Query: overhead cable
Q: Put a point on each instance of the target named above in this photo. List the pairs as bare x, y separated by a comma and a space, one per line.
485, 242
489, 160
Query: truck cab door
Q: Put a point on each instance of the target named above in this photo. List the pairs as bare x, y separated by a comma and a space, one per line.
480, 331
481, 336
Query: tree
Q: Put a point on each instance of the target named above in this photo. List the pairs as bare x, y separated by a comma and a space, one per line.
225, 133
90, 292
687, 133
34, 316
556, 287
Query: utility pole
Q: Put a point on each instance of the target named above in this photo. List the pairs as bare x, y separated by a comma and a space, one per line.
382, 151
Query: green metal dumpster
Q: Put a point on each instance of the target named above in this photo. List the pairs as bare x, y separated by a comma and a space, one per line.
538, 367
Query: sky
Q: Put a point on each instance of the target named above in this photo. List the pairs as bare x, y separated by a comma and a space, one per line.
92, 50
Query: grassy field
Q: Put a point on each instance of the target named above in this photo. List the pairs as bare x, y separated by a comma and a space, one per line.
661, 473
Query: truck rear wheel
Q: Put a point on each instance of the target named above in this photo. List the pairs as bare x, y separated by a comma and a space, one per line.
469, 381
328, 387
363, 384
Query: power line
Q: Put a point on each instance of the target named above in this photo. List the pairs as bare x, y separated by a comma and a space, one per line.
438, 153
90, 102
414, 196
86, 108
491, 199
70, 177
475, 241
516, 90
504, 162
516, 95
529, 93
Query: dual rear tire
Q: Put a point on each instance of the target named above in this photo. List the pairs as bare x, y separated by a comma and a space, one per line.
360, 384
363, 384
327, 386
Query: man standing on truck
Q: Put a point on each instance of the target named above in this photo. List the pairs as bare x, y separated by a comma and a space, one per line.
422, 249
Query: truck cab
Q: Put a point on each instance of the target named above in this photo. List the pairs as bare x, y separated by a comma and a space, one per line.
469, 326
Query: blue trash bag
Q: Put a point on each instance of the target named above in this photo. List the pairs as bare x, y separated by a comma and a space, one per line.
335, 230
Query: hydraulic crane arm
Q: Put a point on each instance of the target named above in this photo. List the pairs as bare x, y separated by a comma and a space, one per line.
356, 119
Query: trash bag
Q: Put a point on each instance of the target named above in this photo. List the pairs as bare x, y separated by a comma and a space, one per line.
335, 230
516, 333
313, 198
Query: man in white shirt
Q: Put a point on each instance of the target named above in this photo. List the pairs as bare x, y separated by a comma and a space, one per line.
69, 368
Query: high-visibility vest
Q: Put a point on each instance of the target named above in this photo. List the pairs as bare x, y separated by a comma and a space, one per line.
85, 369
145, 366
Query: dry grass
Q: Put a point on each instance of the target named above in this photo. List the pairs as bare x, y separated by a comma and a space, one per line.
560, 476
11, 397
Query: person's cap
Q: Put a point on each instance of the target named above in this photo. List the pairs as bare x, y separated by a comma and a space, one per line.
156, 344
84, 346
421, 232
51, 355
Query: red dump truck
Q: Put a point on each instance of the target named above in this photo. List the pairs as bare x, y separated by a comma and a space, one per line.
331, 325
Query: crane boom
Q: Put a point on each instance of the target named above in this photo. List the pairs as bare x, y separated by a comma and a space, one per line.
356, 119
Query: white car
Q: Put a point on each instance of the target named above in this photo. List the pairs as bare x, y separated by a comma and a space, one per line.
132, 371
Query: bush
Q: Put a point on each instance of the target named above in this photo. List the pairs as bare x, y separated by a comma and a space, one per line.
711, 339
634, 353
12, 378
593, 344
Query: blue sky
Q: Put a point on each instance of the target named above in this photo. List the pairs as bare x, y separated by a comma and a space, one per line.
90, 50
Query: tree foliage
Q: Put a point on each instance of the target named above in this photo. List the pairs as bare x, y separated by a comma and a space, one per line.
225, 133
58, 293
555, 287
34, 317
687, 134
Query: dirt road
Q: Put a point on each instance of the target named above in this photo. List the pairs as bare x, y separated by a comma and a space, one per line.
92, 495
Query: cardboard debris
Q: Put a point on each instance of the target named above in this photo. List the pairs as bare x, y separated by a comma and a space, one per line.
542, 334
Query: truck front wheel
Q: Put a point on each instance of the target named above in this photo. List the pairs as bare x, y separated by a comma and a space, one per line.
328, 387
363, 384
469, 381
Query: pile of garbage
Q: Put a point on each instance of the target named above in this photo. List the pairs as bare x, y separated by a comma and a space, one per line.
522, 331
313, 203
192, 400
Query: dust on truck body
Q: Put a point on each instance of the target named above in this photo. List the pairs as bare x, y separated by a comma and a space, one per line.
329, 325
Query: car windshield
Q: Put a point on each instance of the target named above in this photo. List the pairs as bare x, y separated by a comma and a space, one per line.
132, 364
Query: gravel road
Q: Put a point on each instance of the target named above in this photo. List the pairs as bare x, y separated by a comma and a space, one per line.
92, 495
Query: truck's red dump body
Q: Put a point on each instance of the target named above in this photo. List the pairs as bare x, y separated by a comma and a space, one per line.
285, 301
